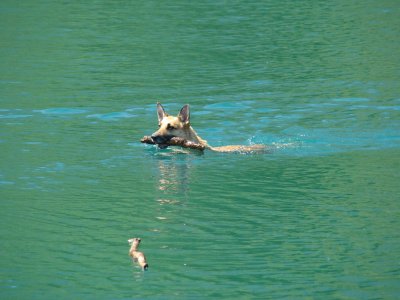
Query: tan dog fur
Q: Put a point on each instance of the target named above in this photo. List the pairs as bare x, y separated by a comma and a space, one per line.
179, 126
137, 256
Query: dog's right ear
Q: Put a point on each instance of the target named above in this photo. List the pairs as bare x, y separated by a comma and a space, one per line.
160, 112
184, 114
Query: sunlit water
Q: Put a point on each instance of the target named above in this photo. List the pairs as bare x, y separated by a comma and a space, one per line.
317, 217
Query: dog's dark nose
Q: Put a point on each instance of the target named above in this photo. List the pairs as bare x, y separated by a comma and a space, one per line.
158, 139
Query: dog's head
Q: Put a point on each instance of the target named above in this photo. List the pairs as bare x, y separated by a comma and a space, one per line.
170, 126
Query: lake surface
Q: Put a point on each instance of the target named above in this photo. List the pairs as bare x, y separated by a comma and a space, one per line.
316, 218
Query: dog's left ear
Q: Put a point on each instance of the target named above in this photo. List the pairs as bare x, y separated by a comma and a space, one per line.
184, 114
160, 112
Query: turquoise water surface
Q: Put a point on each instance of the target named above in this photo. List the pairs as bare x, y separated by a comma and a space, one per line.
317, 217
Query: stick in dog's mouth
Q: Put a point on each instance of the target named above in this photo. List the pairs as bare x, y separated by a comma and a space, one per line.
174, 141
160, 145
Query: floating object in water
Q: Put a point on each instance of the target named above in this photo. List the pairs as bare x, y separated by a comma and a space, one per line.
137, 256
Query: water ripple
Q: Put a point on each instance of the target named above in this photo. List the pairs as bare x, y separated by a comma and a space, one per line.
61, 111
113, 116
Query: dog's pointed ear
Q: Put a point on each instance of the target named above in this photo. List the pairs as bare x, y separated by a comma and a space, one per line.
184, 114
160, 112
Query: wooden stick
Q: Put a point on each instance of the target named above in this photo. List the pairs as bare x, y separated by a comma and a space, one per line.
175, 141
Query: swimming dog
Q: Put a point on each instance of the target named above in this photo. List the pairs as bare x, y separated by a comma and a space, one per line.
137, 256
179, 126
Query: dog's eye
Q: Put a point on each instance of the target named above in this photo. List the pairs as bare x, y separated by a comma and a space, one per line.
170, 127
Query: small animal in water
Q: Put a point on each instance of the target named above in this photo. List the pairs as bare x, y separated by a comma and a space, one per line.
179, 126
137, 256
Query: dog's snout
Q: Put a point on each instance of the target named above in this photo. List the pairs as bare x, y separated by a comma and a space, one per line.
157, 138
160, 139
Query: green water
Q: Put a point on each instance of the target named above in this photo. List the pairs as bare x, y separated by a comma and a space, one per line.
317, 218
